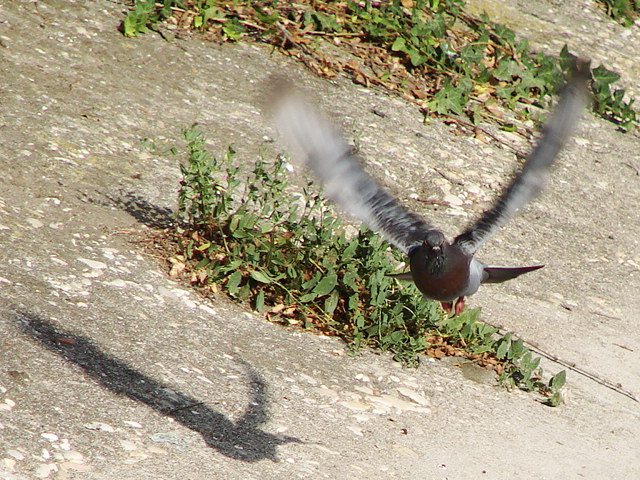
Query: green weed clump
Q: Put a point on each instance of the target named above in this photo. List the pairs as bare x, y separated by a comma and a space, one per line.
287, 254
623, 11
431, 52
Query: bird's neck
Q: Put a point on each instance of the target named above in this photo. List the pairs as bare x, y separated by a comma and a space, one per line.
435, 262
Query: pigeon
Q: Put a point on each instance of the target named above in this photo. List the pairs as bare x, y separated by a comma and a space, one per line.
442, 270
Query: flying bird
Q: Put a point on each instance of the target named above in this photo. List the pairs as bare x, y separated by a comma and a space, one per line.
442, 270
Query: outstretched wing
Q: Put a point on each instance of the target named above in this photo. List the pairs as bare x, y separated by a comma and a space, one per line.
323, 149
528, 183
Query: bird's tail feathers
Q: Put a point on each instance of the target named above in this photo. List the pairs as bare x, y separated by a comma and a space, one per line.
502, 274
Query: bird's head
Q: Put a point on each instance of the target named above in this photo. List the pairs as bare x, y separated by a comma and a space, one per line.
434, 240
434, 248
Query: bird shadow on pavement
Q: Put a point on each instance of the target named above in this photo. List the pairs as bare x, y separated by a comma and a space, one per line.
241, 439
143, 211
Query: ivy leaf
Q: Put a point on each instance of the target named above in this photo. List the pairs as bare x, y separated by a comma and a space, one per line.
604, 77
399, 45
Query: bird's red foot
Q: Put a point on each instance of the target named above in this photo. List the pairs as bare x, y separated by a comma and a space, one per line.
459, 306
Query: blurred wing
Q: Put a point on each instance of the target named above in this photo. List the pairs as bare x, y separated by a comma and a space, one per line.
315, 140
533, 175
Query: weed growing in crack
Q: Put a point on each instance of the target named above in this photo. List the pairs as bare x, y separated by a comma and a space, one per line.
433, 53
284, 252
622, 11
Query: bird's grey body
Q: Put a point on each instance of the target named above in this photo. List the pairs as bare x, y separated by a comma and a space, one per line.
442, 270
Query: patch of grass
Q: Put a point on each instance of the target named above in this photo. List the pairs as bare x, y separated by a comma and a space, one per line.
430, 52
622, 11
145, 15
285, 253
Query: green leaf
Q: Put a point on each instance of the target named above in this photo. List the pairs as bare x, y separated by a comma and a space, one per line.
325, 285
448, 99
331, 303
259, 302
208, 14
416, 57
516, 349
260, 277
604, 77
204, 246
233, 29
307, 297
354, 302
399, 45
503, 348
233, 282
312, 281
131, 26
558, 380
507, 69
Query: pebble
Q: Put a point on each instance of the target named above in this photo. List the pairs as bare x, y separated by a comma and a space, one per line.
404, 450
308, 379
9, 463
128, 445
52, 437
391, 401
93, 263
360, 417
93, 273
355, 405
166, 292
132, 424
35, 223
473, 188
99, 426
44, 470
73, 456
413, 396
109, 253
168, 438
83, 467
136, 457
364, 389
188, 302
156, 449
326, 392
208, 309
15, 454
8, 404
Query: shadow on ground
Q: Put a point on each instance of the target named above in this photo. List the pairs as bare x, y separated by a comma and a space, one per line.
144, 212
241, 439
